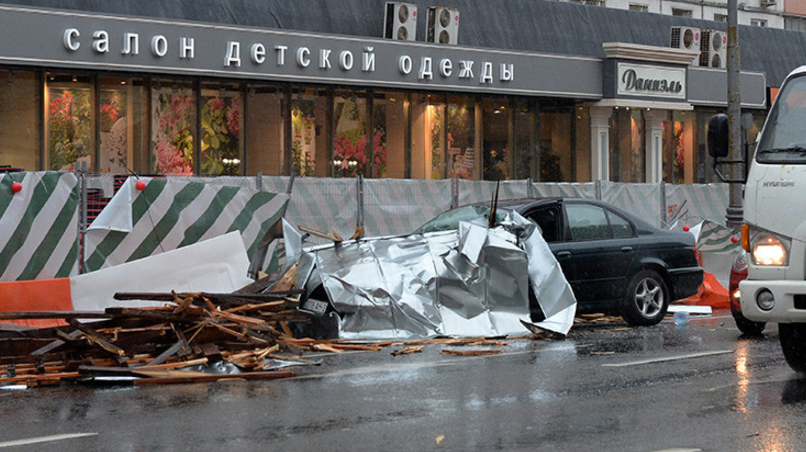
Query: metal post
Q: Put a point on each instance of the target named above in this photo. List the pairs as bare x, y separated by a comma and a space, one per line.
81, 169
734, 214
360, 190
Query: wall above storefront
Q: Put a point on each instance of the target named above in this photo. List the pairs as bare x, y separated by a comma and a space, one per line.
517, 25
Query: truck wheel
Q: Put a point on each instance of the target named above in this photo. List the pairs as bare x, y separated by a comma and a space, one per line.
746, 326
646, 300
793, 344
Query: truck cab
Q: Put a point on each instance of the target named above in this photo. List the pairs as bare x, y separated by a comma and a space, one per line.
774, 229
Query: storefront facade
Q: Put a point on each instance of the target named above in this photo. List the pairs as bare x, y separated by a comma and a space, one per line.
165, 97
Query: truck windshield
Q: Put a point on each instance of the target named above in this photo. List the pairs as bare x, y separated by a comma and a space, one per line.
784, 136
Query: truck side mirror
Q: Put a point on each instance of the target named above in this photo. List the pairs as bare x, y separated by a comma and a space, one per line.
718, 136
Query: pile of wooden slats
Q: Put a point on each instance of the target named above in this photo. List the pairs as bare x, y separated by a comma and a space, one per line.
155, 344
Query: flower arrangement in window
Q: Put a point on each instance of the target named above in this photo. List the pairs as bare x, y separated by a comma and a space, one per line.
173, 140
221, 129
69, 128
113, 131
302, 152
350, 157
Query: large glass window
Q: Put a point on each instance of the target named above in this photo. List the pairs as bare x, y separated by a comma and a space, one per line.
19, 124
428, 137
627, 145
351, 125
525, 145
462, 159
389, 139
173, 121
69, 130
123, 125
556, 144
678, 143
496, 142
221, 125
264, 122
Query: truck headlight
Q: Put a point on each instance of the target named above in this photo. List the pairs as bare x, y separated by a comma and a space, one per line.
769, 249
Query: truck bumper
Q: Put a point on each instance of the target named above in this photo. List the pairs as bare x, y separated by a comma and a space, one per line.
789, 296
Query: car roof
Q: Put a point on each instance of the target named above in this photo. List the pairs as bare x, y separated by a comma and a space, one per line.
522, 204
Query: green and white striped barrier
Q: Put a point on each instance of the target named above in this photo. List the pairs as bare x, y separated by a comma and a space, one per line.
38, 225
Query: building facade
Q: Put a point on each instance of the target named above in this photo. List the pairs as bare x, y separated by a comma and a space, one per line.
172, 92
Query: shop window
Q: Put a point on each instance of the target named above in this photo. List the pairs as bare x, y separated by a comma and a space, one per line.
123, 127
582, 145
462, 159
19, 124
350, 125
428, 137
390, 134
678, 155
525, 135
264, 121
221, 125
69, 127
556, 144
627, 146
173, 121
496, 139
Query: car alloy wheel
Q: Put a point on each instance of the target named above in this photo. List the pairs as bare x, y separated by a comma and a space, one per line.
646, 300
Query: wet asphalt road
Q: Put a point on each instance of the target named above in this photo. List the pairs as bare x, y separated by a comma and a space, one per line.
607, 387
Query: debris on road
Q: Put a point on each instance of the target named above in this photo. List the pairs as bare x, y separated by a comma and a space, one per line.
194, 337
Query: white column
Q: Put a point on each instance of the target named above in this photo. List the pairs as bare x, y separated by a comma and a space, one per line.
600, 142
653, 120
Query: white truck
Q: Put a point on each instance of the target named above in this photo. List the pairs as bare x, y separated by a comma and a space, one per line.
774, 229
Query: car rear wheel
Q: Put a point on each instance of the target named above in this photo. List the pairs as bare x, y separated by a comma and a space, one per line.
793, 344
646, 299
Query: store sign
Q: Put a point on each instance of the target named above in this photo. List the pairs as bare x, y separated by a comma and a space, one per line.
651, 81
81, 40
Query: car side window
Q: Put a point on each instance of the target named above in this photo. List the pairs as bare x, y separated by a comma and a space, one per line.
587, 222
622, 228
548, 219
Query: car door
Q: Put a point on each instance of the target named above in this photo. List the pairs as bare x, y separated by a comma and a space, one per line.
597, 252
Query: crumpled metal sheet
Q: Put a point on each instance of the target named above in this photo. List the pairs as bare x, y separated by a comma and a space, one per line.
473, 281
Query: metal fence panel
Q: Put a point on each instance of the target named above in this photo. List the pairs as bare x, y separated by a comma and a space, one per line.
324, 204
643, 200
471, 192
399, 206
691, 204
574, 190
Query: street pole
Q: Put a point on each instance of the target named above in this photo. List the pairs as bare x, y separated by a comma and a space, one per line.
734, 215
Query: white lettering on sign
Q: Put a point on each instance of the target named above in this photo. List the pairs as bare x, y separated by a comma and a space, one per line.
653, 81
328, 58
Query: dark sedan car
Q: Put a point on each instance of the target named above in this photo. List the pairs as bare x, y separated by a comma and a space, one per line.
614, 261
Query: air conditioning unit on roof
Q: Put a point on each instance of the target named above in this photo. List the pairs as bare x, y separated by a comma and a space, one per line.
400, 21
443, 25
687, 38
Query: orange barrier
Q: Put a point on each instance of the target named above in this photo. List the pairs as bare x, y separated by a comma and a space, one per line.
711, 293
36, 295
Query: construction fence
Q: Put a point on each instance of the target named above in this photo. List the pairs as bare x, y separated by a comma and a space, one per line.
60, 224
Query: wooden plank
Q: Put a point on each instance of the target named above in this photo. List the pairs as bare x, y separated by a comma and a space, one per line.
263, 375
95, 337
33, 315
470, 352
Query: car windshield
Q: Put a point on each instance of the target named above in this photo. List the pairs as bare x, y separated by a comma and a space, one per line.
449, 220
784, 137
